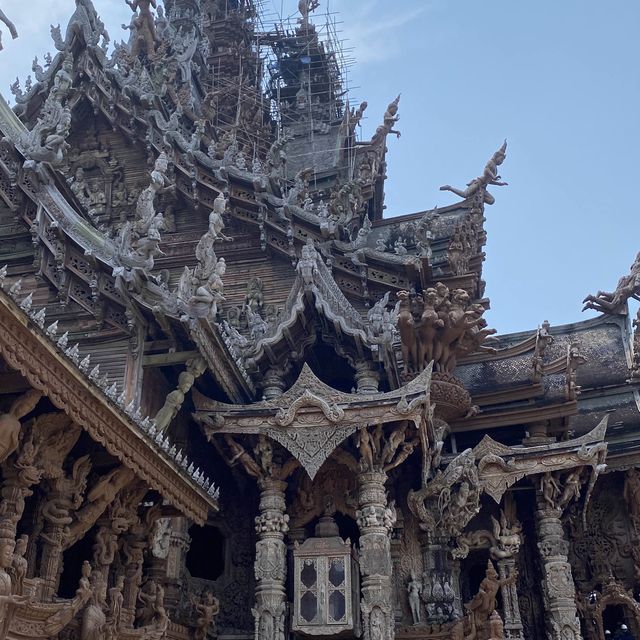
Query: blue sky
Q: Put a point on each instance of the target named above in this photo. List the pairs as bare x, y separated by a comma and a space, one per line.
559, 80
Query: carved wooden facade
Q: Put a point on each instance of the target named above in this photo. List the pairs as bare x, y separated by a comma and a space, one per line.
235, 400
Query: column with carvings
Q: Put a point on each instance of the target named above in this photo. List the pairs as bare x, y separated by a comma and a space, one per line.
512, 621
375, 523
270, 562
557, 581
133, 548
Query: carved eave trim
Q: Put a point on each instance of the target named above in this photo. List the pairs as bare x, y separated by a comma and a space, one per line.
229, 373
501, 466
525, 415
312, 402
43, 366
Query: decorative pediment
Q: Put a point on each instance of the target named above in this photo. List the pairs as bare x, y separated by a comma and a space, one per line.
311, 418
500, 466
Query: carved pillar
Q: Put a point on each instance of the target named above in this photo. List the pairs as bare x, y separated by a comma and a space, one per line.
375, 556
367, 378
51, 565
511, 608
270, 563
179, 542
557, 582
396, 559
135, 542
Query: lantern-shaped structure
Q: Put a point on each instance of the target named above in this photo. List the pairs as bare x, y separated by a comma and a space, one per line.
326, 584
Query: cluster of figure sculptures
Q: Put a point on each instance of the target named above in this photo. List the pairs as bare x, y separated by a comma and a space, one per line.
439, 325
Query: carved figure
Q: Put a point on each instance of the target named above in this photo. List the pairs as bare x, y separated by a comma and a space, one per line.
543, 340
254, 298
207, 610
144, 36
414, 591
489, 177
19, 564
239, 454
204, 302
116, 600
574, 360
8, 599
507, 537
12, 29
10, 422
439, 326
47, 141
484, 602
614, 302
450, 499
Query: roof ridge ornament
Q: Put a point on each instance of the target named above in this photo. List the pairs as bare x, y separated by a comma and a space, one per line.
615, 302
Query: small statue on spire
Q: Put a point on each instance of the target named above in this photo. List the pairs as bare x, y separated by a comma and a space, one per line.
12, 28
145, 36
489, 177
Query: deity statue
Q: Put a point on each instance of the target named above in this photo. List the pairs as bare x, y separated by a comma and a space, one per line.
19, 564
93, 617
204, 302
484, 602
10, 424
414, 591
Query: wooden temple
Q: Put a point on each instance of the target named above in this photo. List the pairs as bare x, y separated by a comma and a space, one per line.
238, 402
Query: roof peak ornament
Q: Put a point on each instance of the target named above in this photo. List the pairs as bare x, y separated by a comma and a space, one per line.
478, 186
